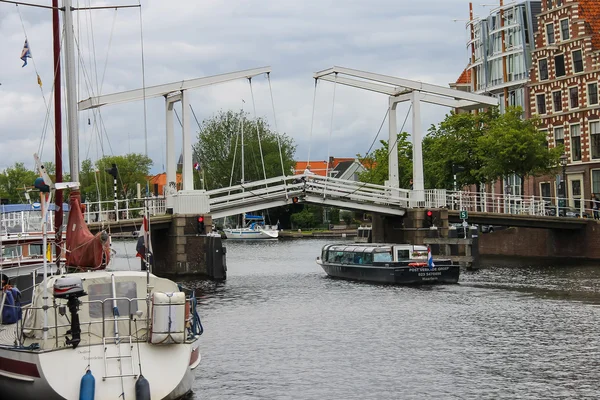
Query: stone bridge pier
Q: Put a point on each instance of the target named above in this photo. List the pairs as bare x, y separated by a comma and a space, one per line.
181, 251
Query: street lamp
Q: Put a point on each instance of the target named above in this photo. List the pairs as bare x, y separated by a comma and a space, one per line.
563, 162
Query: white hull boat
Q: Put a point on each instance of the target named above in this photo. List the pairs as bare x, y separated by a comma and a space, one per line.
32, 367
251, 233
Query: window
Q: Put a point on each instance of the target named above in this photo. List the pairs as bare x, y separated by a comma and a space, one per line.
543, 69
564, 29
549, 4
12, 251
559, 65
559, 136
576, 193
576, 142
592, 92
574, 97
541, 103
550, 34
595, 139
596, 181
103, 291
577, 61
545, 190
35, 250
557, 101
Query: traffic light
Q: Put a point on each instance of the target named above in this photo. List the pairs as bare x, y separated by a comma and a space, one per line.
428, 218
295, 200
201, 225
113, 171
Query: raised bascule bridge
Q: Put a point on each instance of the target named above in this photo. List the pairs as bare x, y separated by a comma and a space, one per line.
416, 215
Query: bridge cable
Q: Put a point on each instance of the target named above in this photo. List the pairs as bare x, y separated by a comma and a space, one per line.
312, 121
330, 135
275, 122
257, 130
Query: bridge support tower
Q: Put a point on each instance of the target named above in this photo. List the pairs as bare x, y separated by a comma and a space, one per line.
181, 251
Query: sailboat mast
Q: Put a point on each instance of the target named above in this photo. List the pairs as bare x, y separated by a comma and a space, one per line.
58, 213
242, 147
70, 70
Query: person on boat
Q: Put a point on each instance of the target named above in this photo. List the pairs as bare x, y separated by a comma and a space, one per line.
11, 312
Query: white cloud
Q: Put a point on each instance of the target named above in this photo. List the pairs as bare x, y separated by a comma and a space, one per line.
186, 39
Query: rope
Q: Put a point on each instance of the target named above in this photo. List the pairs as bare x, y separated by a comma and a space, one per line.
275, 122
143, 80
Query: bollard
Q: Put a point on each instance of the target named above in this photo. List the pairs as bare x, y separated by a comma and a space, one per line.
475, 248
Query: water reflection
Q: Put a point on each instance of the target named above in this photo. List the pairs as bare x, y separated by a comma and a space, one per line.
278, 328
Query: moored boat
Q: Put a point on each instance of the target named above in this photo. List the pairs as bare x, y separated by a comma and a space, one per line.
386, 263
254, 228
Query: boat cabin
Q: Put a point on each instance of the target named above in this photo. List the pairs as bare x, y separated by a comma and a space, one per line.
372, 253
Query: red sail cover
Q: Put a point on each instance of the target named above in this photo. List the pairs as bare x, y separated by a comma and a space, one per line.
84, 249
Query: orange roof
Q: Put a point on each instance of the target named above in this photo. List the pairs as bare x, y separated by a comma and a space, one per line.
589, 11
320, 167
464, 78
161, 181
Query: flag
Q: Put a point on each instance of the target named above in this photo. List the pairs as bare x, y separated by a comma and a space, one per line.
39, 81
144, 244
49, 253
430, 263
197, 166
25, 53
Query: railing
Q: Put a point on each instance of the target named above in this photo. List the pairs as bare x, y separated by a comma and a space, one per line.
117, 210
16, 222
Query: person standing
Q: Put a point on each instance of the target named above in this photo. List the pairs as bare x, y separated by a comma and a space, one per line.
596, 206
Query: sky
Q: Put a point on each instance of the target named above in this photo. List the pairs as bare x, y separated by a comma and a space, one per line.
174, 40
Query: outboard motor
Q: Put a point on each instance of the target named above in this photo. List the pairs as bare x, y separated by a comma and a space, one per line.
71, 288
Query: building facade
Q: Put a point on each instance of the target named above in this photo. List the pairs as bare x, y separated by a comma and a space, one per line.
501, 47
563, 92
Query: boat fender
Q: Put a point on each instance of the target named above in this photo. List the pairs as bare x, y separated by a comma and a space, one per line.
142, 389
87, 388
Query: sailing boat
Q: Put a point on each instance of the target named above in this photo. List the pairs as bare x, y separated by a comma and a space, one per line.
136, 331
253, 226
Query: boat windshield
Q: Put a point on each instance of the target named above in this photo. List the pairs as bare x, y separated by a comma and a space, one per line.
382, 256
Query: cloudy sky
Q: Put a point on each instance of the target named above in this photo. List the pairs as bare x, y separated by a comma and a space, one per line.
184, 39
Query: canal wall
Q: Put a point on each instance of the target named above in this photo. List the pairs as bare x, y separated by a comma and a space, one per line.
543, 244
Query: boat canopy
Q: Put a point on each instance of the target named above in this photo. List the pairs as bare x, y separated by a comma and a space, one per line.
254, 217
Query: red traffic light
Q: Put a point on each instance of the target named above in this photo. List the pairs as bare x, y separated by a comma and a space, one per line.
200, 219
429, 213
295, 200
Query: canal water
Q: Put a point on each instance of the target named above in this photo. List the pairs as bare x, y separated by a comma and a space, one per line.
278, 328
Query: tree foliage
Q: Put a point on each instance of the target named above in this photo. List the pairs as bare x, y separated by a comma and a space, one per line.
97, 183
219, 148
377, 163
14, 181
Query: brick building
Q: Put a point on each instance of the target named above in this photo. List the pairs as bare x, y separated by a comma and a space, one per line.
563, 92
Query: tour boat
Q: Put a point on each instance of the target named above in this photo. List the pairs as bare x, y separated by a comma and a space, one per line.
386, 263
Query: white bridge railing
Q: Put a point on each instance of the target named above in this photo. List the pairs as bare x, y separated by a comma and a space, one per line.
111, 210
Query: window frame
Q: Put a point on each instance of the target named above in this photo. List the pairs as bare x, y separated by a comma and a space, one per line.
540, 69
564, 69
548, 42
591, 139
560, 23
559, 91
554, 135
587, 95
537, 103
573, 61
572, 153
570, 98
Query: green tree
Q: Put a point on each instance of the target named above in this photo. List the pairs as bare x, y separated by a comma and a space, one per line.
304, 219
219, 148
97, 183
14, 181
455, 142
377, 163
512, 145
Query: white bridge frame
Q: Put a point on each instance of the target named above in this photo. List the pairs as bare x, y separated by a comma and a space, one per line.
173, 93
400, 90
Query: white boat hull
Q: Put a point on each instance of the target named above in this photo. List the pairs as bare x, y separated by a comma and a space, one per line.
248, 233
57, 374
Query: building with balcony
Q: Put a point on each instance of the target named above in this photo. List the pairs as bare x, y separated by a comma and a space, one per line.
563, 92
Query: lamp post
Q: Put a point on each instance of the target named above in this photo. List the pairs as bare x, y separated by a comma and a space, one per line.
563, 162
